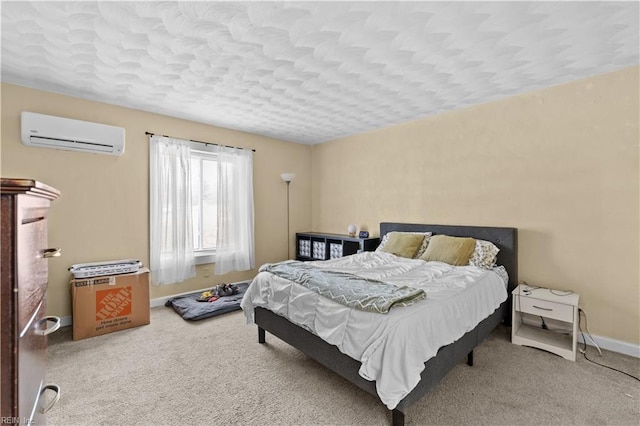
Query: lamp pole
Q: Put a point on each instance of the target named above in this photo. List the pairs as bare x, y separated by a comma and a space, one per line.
287, 178
288, 232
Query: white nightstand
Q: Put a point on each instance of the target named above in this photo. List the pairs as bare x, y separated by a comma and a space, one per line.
542, 302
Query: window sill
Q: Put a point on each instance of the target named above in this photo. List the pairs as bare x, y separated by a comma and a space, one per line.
205, 257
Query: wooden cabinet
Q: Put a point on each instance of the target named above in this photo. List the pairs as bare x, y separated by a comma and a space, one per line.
320, 246
23, 302
545, 304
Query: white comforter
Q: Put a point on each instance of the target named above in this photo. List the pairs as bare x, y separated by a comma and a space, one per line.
392, 347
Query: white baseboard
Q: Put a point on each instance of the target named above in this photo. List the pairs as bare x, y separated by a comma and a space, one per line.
160, 301
607, 343
613, 345
66, 321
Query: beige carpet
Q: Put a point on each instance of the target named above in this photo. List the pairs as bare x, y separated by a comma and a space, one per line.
213, 372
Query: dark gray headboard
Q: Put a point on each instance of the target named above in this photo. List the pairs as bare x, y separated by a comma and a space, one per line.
506, 239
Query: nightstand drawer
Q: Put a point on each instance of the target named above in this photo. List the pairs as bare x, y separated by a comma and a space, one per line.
545, 308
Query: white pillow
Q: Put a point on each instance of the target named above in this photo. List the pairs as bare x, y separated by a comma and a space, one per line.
484, 255
423, 247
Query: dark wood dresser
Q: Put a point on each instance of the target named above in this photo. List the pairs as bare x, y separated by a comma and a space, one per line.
23, 300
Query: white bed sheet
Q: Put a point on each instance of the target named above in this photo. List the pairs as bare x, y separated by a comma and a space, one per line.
392, 347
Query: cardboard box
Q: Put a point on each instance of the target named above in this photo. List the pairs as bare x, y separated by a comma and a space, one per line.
109, 303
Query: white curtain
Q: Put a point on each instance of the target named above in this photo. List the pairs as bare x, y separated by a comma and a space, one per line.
171, 229
235, 248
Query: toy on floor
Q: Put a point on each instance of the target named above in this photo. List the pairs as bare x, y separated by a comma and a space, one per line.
217, 292
226, 290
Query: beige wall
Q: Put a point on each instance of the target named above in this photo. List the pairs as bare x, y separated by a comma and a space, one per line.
104, 208
560, 164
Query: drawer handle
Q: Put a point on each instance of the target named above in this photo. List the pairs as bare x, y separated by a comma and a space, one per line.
42, 329
52, 252
544, 309
54, 401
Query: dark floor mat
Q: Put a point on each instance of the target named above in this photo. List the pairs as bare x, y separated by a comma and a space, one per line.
189, 308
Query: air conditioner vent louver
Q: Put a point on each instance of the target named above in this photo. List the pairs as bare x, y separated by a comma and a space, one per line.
47, 131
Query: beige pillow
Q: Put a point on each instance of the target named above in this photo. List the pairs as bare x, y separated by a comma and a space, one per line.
404, 245
452, 250
421, 250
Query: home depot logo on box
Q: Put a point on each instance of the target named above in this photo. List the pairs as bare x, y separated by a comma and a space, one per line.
113, 303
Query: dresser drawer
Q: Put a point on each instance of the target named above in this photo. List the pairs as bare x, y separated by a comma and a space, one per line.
32, 268
32, 360
544, 308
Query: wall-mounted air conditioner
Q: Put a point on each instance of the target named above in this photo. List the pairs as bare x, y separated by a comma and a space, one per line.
48, 131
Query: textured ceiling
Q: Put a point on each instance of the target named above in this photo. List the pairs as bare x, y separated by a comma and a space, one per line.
309, 72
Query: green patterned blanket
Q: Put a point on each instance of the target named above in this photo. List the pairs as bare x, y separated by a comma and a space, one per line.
347, 289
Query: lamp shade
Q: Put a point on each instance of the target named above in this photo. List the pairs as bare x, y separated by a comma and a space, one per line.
287, 177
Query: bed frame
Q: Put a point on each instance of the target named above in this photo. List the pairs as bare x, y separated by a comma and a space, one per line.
447, 357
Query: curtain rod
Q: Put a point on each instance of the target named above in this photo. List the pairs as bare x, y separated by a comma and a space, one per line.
191, 140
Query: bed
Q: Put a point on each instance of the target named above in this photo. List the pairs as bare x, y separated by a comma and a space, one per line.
334, 354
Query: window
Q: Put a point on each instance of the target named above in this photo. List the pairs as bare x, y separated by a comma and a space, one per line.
204, 204
201, 209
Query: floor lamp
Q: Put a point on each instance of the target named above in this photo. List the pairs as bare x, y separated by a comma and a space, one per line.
288, 177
